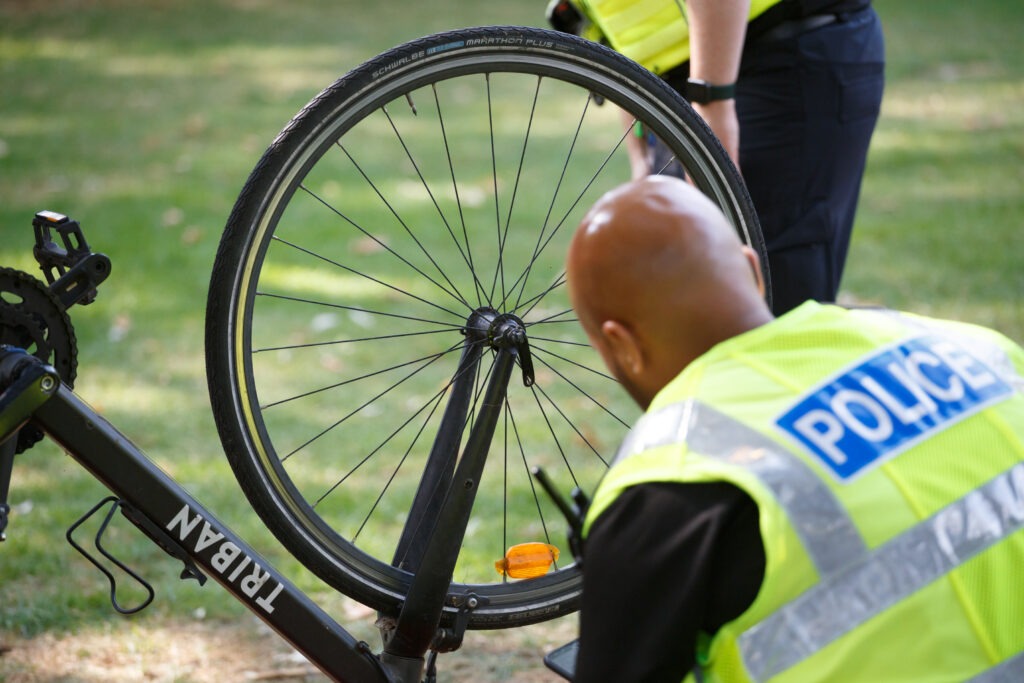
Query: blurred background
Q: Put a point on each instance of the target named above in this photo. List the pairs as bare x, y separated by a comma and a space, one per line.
143, 120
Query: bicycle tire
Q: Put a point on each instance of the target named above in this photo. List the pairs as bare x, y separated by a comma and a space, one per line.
337, 193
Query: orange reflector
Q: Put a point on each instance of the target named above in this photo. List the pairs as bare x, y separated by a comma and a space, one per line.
527, 560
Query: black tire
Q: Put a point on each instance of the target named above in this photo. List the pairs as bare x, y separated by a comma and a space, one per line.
352, 258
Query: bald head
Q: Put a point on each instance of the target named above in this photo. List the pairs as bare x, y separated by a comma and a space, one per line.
657, 277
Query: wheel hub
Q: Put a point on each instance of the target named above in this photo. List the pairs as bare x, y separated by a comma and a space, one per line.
502, 331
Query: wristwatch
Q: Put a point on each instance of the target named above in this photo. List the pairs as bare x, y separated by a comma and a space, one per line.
702, 92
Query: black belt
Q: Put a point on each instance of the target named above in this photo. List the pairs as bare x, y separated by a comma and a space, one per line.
794, 27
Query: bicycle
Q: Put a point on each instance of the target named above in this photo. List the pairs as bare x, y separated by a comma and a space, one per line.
394, 258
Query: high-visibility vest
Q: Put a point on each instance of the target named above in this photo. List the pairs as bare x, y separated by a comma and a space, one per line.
885, 453
654, 33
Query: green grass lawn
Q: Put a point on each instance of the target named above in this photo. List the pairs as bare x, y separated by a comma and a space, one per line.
143, 120
938, 230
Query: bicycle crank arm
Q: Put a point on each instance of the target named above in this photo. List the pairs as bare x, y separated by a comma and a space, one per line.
27, 384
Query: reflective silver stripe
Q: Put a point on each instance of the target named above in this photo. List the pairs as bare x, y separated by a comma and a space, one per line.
828, 534
660, 428
1010, 671
891, 573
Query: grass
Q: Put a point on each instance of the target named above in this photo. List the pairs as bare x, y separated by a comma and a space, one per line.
143, 121
938, 227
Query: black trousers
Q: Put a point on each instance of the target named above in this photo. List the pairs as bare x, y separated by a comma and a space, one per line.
807, 107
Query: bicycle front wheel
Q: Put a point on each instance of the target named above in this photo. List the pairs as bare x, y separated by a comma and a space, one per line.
438, 180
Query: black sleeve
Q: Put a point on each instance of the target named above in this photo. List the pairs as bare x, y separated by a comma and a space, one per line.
663, 563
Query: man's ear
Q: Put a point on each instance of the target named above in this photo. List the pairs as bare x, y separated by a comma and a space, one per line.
624, 347
755, 264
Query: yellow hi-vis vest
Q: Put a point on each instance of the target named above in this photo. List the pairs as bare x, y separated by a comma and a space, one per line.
654, 33
885, 453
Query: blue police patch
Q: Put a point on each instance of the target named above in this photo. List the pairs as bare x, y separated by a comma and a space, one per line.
889, 401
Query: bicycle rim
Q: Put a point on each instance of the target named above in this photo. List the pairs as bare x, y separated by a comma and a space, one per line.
441, 178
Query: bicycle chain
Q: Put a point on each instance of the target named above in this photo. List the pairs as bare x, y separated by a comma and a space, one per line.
32, 318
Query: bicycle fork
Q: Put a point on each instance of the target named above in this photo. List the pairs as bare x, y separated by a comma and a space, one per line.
445, 497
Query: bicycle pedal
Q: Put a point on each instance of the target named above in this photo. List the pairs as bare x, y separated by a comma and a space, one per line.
116, 503
73, 270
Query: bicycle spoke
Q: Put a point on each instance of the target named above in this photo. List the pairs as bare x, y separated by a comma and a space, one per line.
356, 309
387, 390
435, 400
433, 200
354, 340
554, 435
604, 408
352, 380
364, 275
467, 255
455, 295
555, 192
580, 196
499, 273
581, 366
557, 317
515, 185
369, 456
504, 485
526, 307
394, 473
566, 342
529, 478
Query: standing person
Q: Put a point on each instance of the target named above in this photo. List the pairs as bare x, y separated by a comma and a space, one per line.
830, 495
792, 89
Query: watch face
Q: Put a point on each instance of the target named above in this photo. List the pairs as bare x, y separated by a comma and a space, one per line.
697, 91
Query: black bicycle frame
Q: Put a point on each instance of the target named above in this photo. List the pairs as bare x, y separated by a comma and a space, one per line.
168, 515
164, 505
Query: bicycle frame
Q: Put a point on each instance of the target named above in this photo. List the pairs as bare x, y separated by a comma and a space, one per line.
179, 524
112, 458
31, 390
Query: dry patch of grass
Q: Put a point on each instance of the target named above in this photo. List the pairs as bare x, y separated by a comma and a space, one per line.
141, 650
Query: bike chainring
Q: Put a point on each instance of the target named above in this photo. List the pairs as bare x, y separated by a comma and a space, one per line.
32, 318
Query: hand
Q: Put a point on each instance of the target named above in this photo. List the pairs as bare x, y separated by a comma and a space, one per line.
721, 116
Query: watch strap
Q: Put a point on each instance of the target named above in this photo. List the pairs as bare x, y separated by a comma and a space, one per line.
702, 92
